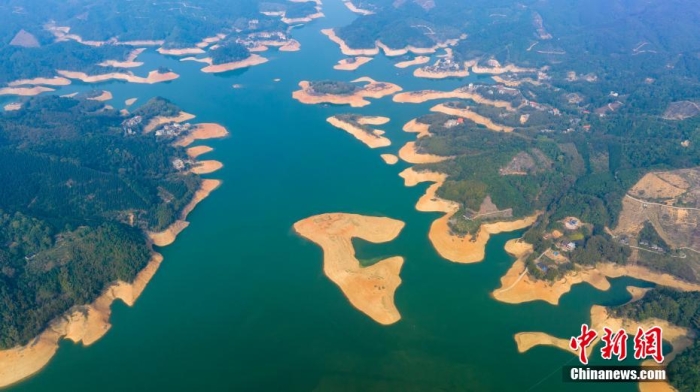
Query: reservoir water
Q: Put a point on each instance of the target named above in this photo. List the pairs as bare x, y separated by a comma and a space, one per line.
241, 302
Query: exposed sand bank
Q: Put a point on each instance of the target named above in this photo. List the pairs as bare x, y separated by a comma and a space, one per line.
349, 65
413, 126
12, 106
130, 61
370, 139
25, 91
160, 120
472, 116
390, 159
85, 324
55, 81
305, 19
369, 289
251, 61
105, 96
345, 49
427, 74
419, 60
372, 89
180, 52
408, 153
130, 101
153, 77
517, 286
194, 152
460, 93
353, 8
167, 236
373, 120
291, 46
206, 167
203, 131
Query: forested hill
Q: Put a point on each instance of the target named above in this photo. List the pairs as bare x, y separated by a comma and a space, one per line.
678, 308
78, 192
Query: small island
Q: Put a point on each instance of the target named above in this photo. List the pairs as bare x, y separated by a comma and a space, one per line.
343, 93
368, 288
358, 126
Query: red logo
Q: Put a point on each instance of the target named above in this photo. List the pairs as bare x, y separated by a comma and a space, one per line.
647, 343
582, 342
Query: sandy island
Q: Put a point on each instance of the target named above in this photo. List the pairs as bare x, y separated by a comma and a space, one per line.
369, 289
410, 154
472, 116
372, 89
25, 91
130, 101
160, 120
467, 249
679, 338
390, 159
251, 61
517, 286
371, 139
12, 106
153, 77
105, 96
460, 93
351, 64
416, 61
180, 52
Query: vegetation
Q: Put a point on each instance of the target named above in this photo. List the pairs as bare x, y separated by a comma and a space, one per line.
333, 87
77, 195
229, 52
679, 308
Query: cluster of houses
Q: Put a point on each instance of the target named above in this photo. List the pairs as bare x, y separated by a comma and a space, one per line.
453, 123
444, 65
652, 246
173, 129
131, 125
255, 40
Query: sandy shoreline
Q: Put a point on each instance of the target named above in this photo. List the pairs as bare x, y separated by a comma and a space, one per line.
130, 61
467, 249
130, 101
305, 19
25, 91
105, 96
424, 73
353, 8
251, 61
472, 116
85, 324
194, 152
55, 81
408, 153
378, 45
180, 52
390, 159
419, 60
371, 140
203, 131
12, 106
346, 65
153, 77
369, 289
413, 126
206, 167
160, 120
345, 49
460, 93
372, 89
518, 287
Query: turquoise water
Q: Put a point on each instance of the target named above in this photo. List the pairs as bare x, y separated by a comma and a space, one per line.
241, 303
